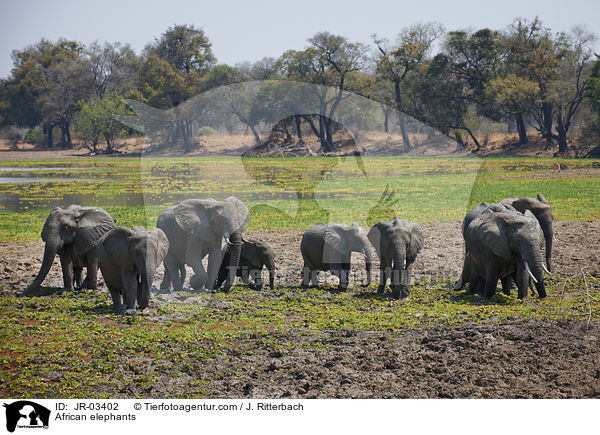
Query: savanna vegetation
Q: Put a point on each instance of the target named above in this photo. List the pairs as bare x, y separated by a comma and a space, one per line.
521, 85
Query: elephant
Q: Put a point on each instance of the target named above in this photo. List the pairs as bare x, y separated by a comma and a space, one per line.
505, 245
543, 213
330, 247
73, 233
199, 227
397, 244
254, 255
128, 260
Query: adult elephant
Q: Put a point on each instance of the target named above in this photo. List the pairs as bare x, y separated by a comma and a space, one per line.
543, 213
397, 243
197, 228
128, 260
330, 247
502, 245
73, 233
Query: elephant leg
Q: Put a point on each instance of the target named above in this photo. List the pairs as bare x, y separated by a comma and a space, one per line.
166, 281
116, 299
91, 279
405, 283
256, 274
66, 263
344, 271
130, 289
385, 270
314, 278
215, 258
522, 281
77, 272
507, 283
491, 280
172, 274
306, 272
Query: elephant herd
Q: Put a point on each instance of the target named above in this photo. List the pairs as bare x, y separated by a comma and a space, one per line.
503, 242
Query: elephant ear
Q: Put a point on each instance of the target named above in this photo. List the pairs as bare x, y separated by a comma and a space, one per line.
162, 245
92, 224
417, 240
486, 231
116, 244
374, 236
336, 238
541, 198
192, 216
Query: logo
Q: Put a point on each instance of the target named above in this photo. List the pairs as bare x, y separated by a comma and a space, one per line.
26, 414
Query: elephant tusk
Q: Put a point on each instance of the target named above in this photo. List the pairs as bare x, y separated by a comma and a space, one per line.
546, 270
404, 263
529, 272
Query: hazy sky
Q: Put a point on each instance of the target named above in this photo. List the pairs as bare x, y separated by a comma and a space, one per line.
250, 30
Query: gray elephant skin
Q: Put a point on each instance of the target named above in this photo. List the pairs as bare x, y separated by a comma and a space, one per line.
502, 243
128, 260
197, 228
543, 213
329, 247
397, 244
255, 255
73, 233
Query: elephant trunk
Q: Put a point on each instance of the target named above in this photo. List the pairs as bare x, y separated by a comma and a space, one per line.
533, 261
234, 258
49, 254
145, 285
549, 252
271, 266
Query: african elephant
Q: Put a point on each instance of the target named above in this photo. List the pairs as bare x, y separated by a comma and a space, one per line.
128, 260
543, 213
505, 245
330, 247
397, 243
73, 233
199, 227
254, 255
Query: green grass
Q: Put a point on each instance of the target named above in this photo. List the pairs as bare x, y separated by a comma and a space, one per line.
71, 345
330, 189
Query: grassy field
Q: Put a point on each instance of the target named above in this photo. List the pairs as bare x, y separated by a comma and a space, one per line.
293, 193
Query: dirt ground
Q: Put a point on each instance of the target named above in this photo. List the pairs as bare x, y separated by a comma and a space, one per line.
522, 360
575, 248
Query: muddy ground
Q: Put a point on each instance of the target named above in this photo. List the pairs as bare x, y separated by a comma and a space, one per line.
530, 359
575, 248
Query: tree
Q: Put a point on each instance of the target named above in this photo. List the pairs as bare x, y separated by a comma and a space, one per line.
113, 67
329, 61
30, 78
172, 72
570, 88
96, 121
396, 61
532, 56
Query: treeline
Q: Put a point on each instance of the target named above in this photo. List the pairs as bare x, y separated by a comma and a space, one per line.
525, 75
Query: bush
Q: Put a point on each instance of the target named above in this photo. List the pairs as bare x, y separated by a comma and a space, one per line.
205, 131
34, 136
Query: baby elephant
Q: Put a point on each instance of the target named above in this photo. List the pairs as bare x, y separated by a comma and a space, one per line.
254, 255
128, 260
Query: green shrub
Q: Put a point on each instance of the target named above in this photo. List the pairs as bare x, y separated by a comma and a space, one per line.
34, 136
